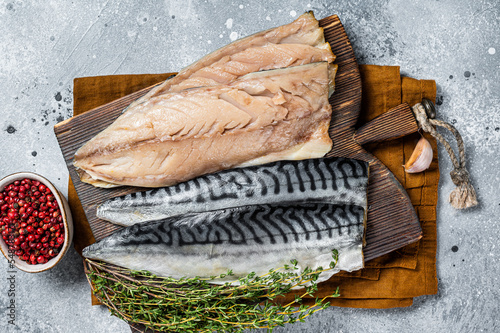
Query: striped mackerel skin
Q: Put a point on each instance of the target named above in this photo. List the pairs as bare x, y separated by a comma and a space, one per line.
245, 239
326, 180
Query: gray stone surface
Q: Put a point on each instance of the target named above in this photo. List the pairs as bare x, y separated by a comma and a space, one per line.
44, 45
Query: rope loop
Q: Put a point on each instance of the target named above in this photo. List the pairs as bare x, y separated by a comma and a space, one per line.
464, 196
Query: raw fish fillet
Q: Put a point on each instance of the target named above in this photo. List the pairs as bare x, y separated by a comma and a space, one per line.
176, 136
333, 180
244, 239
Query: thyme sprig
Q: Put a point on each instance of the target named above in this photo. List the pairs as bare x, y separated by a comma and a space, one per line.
195, 305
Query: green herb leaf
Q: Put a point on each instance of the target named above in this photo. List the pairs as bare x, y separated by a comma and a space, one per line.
195, 305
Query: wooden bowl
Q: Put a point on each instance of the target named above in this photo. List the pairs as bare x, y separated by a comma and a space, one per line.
67, 220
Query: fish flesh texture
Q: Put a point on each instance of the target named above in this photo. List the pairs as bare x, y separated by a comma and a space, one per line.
242, 239
263, 117
299, 42
270, 56
281, 114
162, 129
333, 180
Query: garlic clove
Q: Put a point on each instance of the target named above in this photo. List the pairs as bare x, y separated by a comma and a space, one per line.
421, 157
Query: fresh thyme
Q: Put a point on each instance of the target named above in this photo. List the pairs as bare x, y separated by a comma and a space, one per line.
195, 305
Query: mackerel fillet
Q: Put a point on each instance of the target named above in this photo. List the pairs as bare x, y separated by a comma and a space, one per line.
260, 99
243, 239
331, 180
297, 43
281, 114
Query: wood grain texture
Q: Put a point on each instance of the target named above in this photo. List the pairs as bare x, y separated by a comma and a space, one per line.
392, 221
393, 124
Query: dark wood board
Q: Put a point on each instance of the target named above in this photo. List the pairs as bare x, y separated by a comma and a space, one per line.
392, 221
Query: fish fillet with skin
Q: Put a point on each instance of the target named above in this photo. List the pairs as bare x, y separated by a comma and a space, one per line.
259, 118
243, 239
333, 180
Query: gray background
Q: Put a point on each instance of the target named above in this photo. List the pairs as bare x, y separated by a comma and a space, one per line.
44, 45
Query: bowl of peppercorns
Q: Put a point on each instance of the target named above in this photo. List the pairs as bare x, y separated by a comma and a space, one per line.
35, 222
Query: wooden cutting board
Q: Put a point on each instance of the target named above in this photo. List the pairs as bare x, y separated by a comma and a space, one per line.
392, 221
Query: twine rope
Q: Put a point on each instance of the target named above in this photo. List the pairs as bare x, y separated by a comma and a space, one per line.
464, 195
